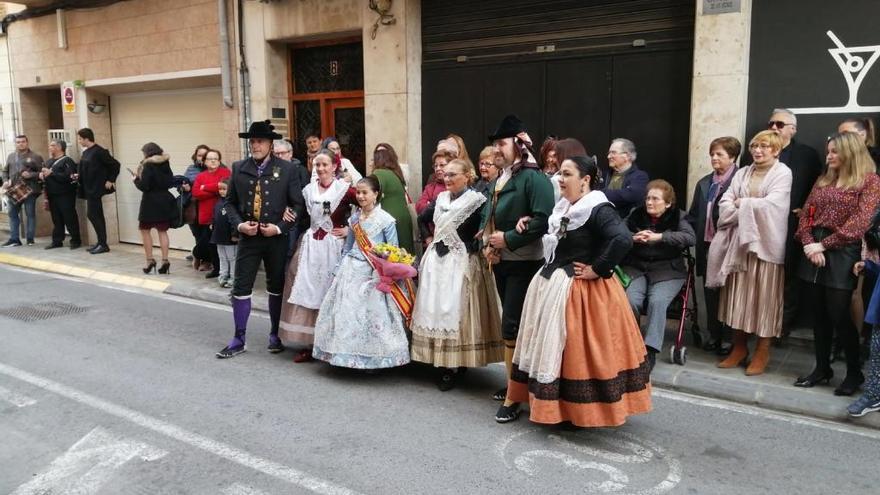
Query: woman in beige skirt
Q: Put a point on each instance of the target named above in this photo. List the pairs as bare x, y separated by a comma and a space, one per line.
454, 333
746, 258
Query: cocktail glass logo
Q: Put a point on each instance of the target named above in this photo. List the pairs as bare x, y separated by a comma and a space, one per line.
854, 62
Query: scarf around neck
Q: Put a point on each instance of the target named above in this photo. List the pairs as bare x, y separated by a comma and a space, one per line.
572, 216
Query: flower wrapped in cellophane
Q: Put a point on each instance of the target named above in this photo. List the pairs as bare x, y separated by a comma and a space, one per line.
392, 263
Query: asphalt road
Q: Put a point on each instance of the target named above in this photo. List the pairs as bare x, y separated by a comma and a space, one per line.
117, 392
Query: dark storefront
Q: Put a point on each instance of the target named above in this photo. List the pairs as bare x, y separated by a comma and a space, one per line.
793, 64
589, 70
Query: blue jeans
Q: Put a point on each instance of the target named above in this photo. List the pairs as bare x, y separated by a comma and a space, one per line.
30, 214
658, 295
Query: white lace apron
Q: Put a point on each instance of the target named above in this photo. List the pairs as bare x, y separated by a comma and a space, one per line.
541, 337
318, 256
437, 312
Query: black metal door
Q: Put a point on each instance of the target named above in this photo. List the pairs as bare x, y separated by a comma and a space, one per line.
588, 70
650, 105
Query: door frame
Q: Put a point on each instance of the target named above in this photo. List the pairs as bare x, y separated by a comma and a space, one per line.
325, 99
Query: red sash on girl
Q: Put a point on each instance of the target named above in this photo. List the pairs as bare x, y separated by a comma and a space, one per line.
403, 298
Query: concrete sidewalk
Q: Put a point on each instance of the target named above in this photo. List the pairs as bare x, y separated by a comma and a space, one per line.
772, 390
123, 266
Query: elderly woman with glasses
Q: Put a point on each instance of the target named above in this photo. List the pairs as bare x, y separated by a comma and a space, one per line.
747, 254
487, 169
655, 264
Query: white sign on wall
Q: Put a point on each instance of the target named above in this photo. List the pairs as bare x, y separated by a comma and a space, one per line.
712, 7
854, 62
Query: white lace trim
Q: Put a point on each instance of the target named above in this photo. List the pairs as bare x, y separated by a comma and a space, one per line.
577, 215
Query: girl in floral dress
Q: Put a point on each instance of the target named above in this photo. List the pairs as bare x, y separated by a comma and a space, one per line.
359, 326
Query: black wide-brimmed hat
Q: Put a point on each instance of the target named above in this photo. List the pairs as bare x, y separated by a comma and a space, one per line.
260, 129
510, 126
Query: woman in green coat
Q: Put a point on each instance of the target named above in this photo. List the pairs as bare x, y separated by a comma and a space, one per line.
387, 169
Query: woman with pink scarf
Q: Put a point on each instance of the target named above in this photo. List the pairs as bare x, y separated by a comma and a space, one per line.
703, 217
747, 254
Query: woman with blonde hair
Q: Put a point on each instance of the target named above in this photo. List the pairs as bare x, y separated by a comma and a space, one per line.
487, 170
831, 227
747, 255
465, 331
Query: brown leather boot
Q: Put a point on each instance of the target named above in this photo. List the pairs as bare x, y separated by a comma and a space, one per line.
760, 358
739, 353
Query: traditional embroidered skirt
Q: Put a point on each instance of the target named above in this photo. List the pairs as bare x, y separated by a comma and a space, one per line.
604, 377
297, 326
751, 300
479, 342
359, 326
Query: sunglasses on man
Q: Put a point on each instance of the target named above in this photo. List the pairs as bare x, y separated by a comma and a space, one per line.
777, 124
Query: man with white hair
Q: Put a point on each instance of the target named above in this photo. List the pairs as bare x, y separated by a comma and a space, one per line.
806, 166
625, 183
283, 149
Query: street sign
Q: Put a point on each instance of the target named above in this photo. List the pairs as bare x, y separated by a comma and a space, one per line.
68, 97
711, 7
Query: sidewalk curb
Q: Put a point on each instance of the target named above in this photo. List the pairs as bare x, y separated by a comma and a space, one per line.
73, 271
818, 402
728, 385
205, 294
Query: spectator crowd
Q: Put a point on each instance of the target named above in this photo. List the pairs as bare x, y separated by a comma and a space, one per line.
532, 254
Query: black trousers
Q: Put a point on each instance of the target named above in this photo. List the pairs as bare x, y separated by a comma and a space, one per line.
717, 330
832, 314
792, 290
512, 279
95, 214
63, 210
252, 251
204, 250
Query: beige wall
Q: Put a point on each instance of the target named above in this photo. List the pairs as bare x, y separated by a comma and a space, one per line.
132, 46
720, 83
392, 64
123, 39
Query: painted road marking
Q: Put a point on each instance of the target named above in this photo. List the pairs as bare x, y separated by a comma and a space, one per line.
15, 399
599, 450
220, 449
89, 464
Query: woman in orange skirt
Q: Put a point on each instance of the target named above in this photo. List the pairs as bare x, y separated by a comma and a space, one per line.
579, 354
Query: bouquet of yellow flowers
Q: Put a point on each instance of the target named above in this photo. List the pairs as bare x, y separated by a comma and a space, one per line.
394, 254
392, 263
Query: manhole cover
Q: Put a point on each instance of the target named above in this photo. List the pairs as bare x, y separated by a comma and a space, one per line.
31, 312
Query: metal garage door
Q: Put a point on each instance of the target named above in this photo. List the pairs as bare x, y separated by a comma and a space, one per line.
175, 120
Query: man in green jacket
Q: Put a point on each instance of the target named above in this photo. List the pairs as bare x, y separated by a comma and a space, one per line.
521, 190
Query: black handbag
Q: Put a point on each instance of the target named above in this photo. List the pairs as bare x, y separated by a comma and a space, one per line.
180, 207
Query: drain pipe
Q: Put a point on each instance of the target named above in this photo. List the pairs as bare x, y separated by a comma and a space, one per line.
224, 54
244, 80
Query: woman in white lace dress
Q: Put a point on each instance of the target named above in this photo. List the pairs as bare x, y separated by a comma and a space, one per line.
359, 326
328, 204
465, 331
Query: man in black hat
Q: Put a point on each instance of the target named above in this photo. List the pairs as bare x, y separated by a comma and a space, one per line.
261, 188
521, 190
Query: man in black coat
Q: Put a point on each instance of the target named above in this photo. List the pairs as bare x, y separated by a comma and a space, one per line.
97, 176
806, 166
261, 189
61, 192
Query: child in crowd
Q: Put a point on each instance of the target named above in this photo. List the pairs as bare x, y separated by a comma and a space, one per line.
224, 237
